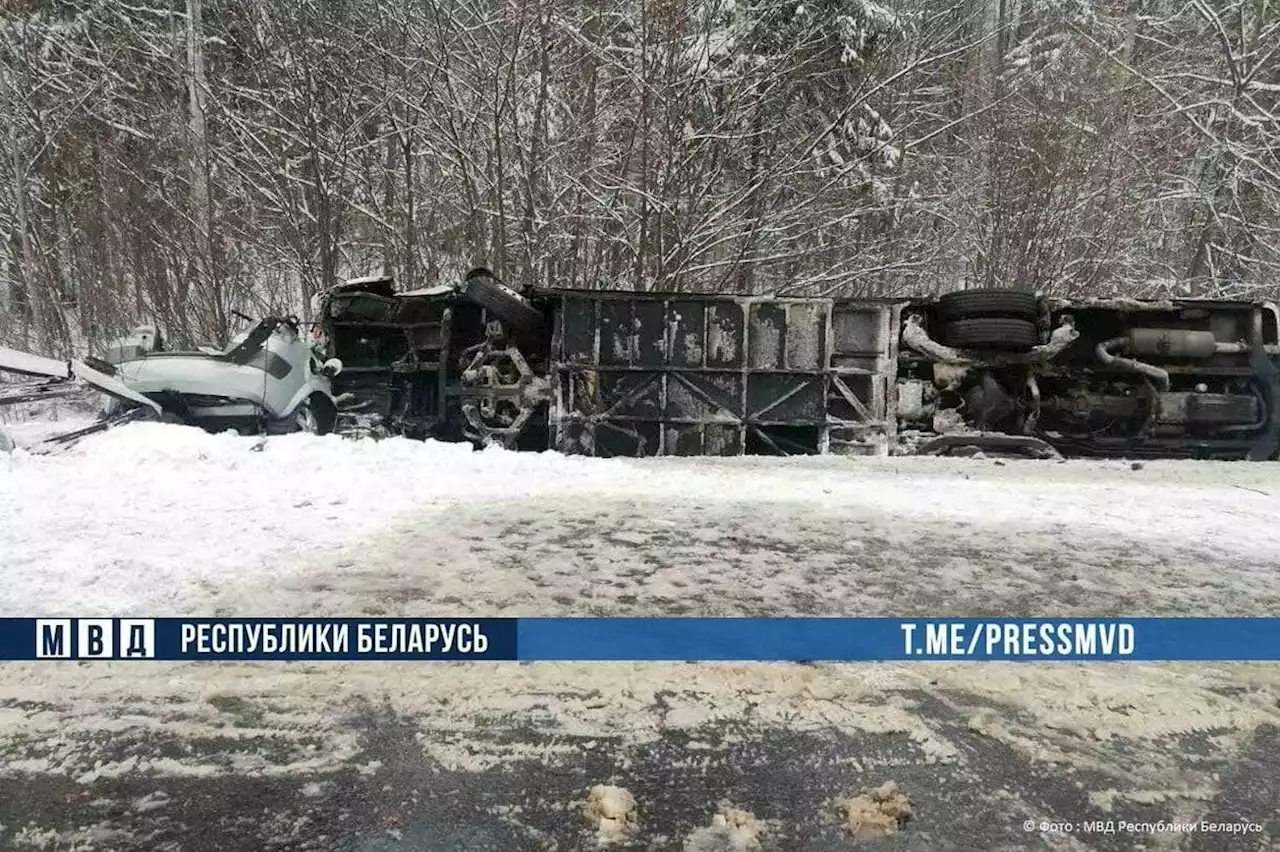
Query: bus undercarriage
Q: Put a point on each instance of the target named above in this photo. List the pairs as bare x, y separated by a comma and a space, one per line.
612, 373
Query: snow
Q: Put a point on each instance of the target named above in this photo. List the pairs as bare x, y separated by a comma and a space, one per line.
613, 811
141, 518
731, 830
27, 434
438, 290
369, 279
155, 519
30, 423
36, 365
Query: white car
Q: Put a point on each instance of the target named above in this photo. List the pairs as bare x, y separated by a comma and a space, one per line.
268, 379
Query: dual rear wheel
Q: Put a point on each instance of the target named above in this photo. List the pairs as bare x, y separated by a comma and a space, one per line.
994, 319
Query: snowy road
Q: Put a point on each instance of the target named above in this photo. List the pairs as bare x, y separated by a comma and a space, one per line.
163, 520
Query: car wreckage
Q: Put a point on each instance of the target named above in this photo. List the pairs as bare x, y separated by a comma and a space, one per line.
269, 378
617, 373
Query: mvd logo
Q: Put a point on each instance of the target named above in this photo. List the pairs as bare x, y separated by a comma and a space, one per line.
95, 639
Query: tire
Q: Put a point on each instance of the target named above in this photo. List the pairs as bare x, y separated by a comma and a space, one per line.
501, 301
315, 415
1013, 335
976, 304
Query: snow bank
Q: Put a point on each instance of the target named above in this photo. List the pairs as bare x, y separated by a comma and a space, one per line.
145, 517
161, 519
167, 520
29, 423
29, 433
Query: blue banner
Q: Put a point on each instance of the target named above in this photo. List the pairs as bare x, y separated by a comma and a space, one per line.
899, 640
642, 639
283, 639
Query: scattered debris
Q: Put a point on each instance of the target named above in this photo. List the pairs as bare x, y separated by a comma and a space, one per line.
875, 812
613, 812
1136, 466
731, 830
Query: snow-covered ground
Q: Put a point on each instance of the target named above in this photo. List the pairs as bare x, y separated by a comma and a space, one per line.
160, 520
168, 520
30, 423
152, 517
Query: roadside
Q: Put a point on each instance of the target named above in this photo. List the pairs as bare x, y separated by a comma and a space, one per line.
374, 757
393, 757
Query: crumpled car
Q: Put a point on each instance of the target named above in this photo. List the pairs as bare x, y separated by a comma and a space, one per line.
270, 379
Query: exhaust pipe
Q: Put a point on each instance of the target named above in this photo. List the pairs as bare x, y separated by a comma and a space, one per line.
1108, 357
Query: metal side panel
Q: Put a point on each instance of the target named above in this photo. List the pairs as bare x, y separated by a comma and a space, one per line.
638, 374
864, 367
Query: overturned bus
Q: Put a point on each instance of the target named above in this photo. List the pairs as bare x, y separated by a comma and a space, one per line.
613, 373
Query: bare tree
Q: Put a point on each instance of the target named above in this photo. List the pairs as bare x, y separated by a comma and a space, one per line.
174, 164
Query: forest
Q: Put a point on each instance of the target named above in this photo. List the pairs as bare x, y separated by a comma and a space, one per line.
178, 161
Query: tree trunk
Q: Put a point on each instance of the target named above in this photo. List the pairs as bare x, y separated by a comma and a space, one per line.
201, 201
27, 260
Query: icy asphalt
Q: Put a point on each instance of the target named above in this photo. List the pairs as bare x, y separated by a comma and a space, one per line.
163, 520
